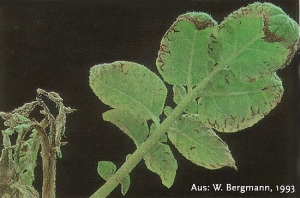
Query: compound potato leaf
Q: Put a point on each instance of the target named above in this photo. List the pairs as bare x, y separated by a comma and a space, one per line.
223, 76
200, 144
160, 160
182, 57
126, 85
131, 124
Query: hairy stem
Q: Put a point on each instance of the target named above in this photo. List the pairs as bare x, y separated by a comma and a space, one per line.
142, 150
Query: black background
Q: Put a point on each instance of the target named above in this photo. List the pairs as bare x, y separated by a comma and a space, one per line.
53, 45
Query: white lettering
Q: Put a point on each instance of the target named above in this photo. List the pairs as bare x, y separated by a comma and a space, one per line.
217, 187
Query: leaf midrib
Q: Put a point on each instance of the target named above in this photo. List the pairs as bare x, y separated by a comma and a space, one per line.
189, 72
236, 93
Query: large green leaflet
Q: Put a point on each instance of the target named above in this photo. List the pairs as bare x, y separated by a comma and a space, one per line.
183, 57
232, 66
239, 103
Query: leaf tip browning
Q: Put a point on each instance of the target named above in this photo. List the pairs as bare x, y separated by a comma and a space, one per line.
199, 19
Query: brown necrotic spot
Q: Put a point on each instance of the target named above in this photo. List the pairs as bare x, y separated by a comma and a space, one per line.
164, 48
269, 37
160, 62
200, 25
192, 148
292, 49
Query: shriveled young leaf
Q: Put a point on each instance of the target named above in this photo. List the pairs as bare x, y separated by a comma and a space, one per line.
131, 124
130, 86
180, 92
230, 104
161, 161
9, 188
200, 144
7, 169
23, 190
106, 169
26, 163
182, 57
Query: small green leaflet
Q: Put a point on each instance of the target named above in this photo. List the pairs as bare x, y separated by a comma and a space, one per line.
160, 160
106, 169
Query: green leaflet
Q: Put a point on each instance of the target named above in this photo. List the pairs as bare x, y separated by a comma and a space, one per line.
182, 57
106, 169
131, 124
125, 85
200, 144
236, 42
160, 160
230, 104
279, 27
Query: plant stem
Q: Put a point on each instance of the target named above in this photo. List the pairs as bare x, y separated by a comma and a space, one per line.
49, 164
142, 150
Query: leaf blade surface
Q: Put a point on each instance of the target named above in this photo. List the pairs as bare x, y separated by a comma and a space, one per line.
126, 85
183, 58
161, 161
200, 144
